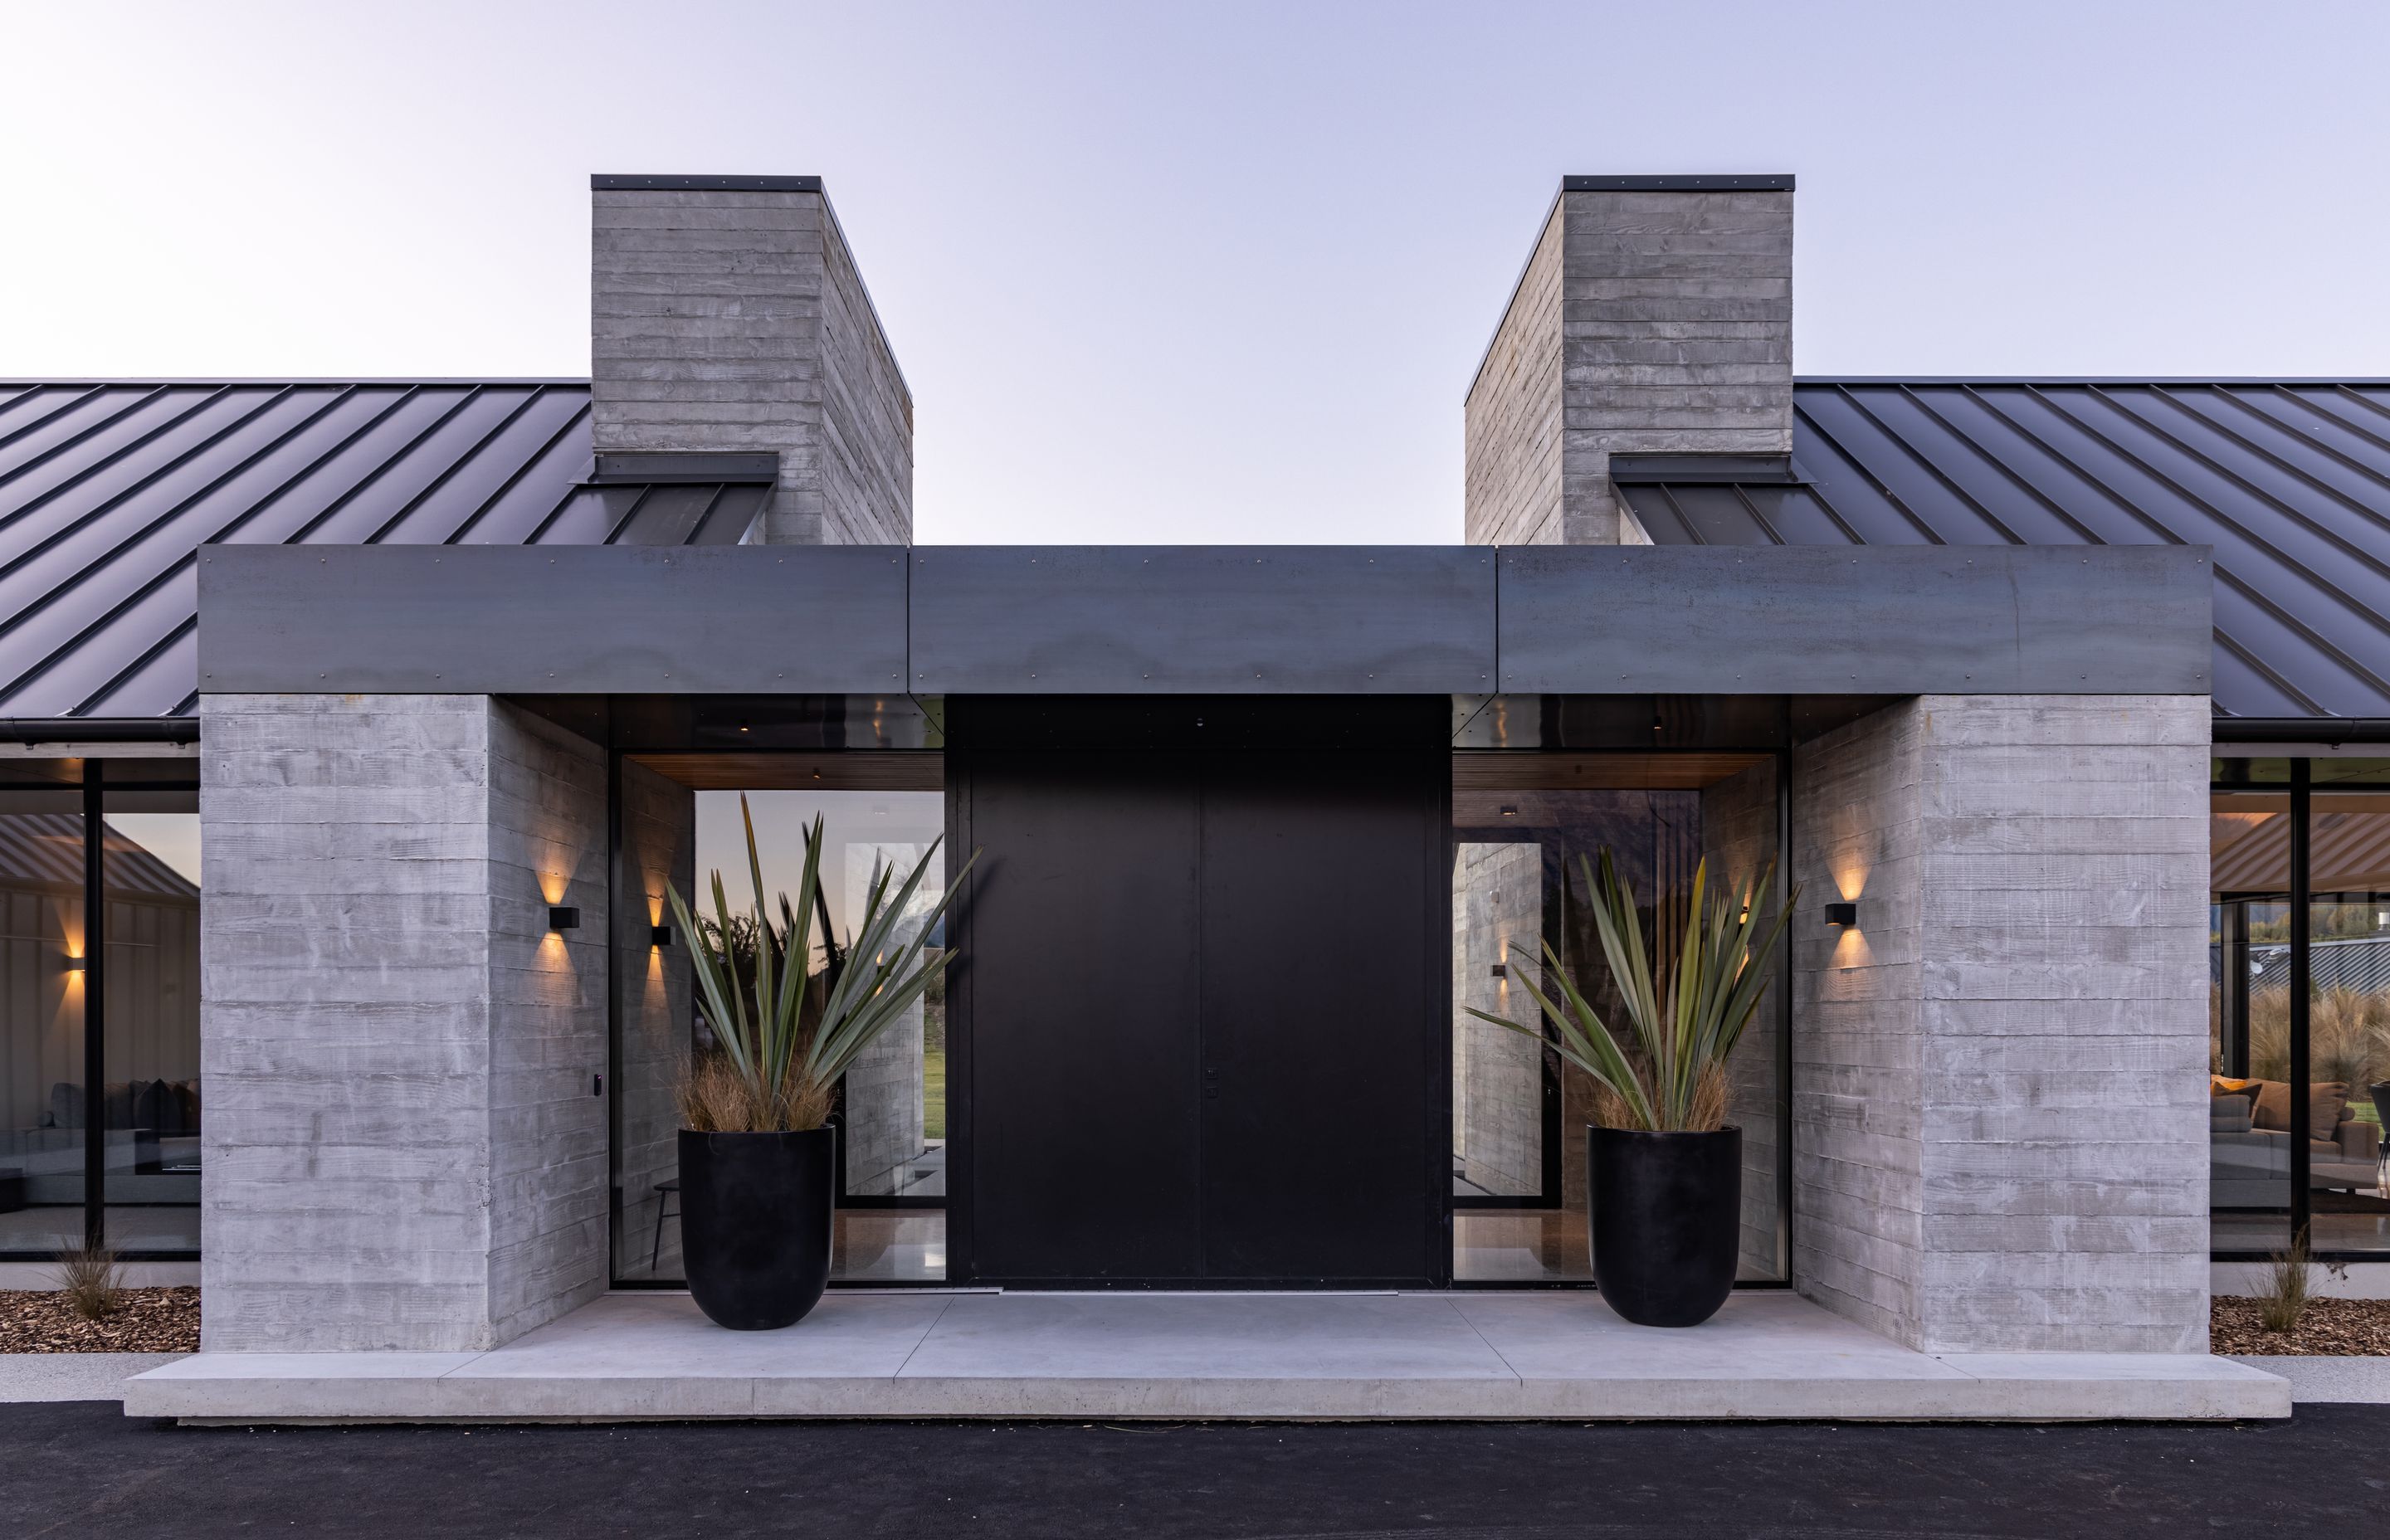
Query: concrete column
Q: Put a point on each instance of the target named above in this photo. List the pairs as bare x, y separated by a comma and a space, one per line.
405, 1142
727, 314
1655, 315
2000, 1124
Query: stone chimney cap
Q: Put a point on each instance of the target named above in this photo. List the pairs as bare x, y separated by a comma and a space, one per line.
704, 184
1773, 183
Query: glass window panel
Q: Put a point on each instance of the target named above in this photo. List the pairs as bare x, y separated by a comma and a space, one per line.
1519, 1116
42, 988
150, 859
2249, 772
893, 1107
2348, 1017
2348, 771
2248, 876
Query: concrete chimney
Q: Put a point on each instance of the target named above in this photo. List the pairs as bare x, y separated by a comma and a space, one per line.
1655, 315
726, 314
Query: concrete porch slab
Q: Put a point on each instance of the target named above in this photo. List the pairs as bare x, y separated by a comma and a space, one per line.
1557, 1354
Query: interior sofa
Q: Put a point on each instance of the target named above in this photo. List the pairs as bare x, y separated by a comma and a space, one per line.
2249, 1144
152, 1143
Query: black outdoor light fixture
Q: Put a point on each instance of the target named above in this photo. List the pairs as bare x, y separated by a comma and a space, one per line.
78, 965
1842, 914
659, 936
563, 916
1509, 812
1500, 972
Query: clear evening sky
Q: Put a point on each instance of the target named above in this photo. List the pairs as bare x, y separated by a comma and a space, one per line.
1205, 272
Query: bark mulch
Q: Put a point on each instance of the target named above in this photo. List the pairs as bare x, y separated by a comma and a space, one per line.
146, 1320
2329, 1327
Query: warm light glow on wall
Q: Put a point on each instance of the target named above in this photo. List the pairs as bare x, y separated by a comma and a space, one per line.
1851, 950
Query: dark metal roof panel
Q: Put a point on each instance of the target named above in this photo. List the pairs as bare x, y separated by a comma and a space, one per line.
2288, 480
107, 488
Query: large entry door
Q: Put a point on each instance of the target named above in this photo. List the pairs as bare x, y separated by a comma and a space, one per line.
1198, 1032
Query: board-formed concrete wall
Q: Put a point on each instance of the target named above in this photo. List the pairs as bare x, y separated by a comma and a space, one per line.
1512, 423
1645, 322
732, 319
405, 1142
1999, 1127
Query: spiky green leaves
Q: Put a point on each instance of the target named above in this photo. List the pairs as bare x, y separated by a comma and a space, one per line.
1684, 1023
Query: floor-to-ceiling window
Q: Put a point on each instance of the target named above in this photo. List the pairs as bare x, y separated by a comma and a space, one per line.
150, 876
1522, 826
43, 988
2299, 1011
111, 976
877, 812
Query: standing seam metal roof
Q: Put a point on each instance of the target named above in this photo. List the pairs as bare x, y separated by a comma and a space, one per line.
109, 487
2288, 480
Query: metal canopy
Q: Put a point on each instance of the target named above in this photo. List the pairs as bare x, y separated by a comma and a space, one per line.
1216, 621
2288, 480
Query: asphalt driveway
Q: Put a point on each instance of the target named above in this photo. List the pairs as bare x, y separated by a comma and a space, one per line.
82, 1468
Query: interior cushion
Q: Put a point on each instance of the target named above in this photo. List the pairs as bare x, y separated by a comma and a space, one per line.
2326, 1100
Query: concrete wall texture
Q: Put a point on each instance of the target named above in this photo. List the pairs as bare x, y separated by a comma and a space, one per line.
1511, 424
403, 1147
1645, 322
735, 320
1999, 1136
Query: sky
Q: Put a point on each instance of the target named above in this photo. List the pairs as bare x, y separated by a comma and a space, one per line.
1193, 273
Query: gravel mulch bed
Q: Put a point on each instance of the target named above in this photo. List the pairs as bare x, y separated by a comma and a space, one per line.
148, 1320
2329, 1327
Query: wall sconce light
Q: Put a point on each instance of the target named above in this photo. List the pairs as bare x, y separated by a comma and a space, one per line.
1841, 915
78, 965
1500, 972
660, 935
1509, 812
563, 916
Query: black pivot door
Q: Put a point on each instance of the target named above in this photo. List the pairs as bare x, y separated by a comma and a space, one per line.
1325, 951
1199, 1031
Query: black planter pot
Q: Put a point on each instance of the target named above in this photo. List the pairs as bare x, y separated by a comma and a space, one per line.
756, 1211
1667, 1211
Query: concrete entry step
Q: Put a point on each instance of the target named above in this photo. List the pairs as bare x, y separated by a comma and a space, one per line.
1546, 1355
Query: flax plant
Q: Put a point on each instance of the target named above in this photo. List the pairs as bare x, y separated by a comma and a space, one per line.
1671, 1076
784, 1036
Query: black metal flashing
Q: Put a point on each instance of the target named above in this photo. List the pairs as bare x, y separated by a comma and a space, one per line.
617, 183
2300, 729
79, 729
1764, 183
682, 467
1702, 469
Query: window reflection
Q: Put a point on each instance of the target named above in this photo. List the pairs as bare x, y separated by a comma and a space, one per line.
42, 992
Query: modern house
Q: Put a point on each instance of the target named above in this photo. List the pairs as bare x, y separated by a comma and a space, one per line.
2076, 691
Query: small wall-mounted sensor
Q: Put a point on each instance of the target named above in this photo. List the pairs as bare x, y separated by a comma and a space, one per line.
1841, 915
660, 935
563, 916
